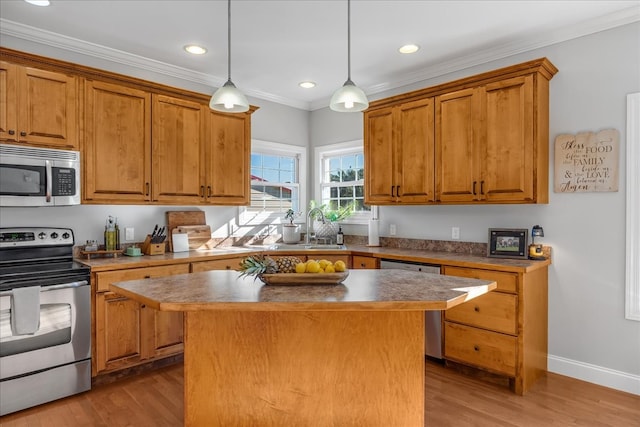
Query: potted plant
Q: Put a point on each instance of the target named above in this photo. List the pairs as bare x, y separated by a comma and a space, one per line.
331, 216
291, 231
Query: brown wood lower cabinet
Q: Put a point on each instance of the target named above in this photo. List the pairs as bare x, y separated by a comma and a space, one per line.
504, 331
128, 333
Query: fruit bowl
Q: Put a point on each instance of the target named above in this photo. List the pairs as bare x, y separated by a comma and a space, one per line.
292, 279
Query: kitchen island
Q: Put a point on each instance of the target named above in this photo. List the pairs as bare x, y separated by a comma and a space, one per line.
347, 354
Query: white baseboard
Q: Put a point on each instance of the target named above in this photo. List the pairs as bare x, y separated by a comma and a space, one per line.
594, 374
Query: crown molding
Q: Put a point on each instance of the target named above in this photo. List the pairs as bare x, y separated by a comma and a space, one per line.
48, 38
613, 20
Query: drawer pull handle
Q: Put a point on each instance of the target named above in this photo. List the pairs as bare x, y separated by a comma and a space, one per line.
476, 309
147, 277
476, 348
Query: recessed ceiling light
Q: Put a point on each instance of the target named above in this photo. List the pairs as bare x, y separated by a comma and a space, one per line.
307, 85
195, 49
38, 2
409, 48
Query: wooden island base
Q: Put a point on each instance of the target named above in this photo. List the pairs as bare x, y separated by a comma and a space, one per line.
320, 368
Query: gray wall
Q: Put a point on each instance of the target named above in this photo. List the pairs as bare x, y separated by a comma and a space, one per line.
589, 337
586, 230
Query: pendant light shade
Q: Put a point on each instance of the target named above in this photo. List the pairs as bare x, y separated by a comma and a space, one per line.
349, 98
228, 99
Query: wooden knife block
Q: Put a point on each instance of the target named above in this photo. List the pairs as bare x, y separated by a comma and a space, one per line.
149, 248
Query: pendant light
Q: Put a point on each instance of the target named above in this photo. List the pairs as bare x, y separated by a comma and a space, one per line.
349, 98
228, 99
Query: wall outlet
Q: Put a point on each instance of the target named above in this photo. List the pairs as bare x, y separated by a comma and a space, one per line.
392, 230
128, 233
455, 233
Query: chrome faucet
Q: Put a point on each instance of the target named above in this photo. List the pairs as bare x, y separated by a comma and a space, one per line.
318, 210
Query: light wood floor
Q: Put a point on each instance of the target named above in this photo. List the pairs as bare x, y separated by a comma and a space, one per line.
155, 399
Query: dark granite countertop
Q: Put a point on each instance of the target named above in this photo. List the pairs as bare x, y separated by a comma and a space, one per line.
225, 252
361, 290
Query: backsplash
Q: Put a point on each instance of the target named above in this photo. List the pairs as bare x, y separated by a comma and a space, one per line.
470, 248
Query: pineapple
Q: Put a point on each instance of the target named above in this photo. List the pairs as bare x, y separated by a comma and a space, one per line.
287, 264
257, 265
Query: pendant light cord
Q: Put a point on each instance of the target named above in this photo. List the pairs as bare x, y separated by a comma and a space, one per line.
348, 40
229, 40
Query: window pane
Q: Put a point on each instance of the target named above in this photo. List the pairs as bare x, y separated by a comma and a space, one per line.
267, 168
286, 176
287, 164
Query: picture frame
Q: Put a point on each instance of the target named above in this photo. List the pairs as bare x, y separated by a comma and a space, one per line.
508, 243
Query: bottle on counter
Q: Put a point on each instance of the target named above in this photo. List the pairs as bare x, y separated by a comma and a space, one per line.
340, 237
110, 235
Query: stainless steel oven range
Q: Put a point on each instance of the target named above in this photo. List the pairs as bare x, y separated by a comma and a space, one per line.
45, 318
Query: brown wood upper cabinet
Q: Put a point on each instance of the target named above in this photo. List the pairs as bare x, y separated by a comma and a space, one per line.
38, 107
487, 142
399, 147
152, 148
117, 144
178, 150
485, 149
228, 153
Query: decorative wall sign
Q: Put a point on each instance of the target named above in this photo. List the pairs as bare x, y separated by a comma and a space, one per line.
586, 162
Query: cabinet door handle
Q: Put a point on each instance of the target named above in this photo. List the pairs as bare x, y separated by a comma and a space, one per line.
23, 134
482, 187
474, 187
398, 191
476, 309
12, 132
392, 187
476, 347
146, 184
208, 191
202, 191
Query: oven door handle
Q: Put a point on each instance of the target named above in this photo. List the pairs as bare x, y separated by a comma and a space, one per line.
53, 287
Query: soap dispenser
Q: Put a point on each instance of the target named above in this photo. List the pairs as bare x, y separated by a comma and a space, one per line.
340, 237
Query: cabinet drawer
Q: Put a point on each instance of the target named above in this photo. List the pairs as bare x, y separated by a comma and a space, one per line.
216, 264
495, 311
104, 279
507, 282
364, 262
490, 350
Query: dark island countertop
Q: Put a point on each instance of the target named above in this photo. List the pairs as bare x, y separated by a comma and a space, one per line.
361, 290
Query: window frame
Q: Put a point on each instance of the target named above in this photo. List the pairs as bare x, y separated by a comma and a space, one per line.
339, 149
277, 149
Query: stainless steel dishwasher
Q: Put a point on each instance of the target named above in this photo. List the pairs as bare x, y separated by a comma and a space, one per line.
433, 318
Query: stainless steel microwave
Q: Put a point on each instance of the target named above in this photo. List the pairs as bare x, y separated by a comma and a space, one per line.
38, 176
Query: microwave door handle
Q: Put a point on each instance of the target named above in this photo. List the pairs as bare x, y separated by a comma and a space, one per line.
47, 165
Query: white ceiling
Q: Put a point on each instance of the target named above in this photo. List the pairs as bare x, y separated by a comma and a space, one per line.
277, 44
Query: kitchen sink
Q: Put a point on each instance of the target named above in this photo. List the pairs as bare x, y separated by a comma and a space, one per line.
305, 247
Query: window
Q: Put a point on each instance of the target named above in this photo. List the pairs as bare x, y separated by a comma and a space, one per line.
277, 182
342, 178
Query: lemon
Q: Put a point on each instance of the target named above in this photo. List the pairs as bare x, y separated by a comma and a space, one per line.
323, 263
340, 266
329, 269
301, 267
313, 266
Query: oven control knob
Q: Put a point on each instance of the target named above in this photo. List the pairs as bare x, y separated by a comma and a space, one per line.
54, 235
42, 236
66, 235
